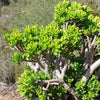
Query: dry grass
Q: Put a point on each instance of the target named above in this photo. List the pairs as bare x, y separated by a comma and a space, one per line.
8, 92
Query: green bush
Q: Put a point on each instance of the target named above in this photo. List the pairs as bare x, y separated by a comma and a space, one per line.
28, 88
88, 91
60, 54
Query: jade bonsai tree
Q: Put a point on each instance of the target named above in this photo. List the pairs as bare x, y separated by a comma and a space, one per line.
63, 57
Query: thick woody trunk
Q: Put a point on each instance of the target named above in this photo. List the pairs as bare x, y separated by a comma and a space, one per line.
90, 71
66, 86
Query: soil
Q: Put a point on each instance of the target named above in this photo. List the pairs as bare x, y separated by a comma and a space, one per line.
8, 92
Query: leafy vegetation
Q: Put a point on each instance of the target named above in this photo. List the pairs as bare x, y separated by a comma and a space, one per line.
27, 86
89, 91
63, 56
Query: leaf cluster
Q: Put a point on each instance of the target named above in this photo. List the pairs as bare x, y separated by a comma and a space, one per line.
66, 11
90, 90
36, 40
73, 73
27, 86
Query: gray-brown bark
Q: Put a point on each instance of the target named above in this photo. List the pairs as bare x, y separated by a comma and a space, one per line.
57, 82
90, 71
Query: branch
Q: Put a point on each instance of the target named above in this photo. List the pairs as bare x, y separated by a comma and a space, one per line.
89, 42
47, 56
17, 48
96, 49
8, 47
43, 65
47, 86
56, 72
89, 59
74, 24
63, 71
65, 26
57, 82
32, 66
94, 40
90, 71
99, 34
48, 59
38, 61
91, 52
83, 44
66, 86
58, 61
52, 81
30, 60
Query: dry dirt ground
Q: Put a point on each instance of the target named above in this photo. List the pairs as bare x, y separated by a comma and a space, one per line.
8, 92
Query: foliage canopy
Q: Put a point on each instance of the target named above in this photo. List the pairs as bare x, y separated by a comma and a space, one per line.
60, 54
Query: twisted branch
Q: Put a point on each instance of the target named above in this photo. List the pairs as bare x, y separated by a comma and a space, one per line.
57, 82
